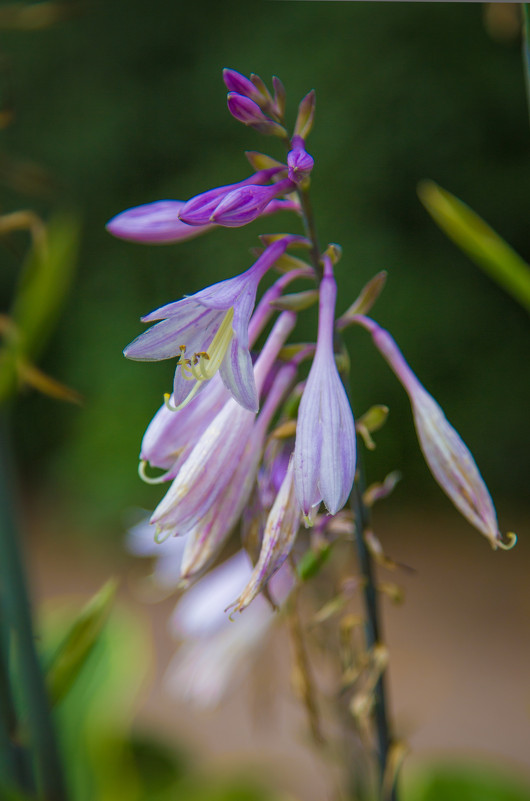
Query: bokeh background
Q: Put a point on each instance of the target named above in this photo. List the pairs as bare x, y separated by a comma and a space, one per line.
122, 103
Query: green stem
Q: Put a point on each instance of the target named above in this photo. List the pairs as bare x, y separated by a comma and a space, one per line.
18, 635
372, 625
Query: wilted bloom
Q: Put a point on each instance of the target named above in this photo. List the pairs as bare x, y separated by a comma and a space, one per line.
280, 533
215, 650
154, 224
324, 455
449, 459
208, 332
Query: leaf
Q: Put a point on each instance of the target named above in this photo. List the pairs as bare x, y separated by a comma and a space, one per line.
475, 237
77, 644
44, 283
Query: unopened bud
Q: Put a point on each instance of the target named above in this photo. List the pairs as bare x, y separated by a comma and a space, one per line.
306, 115
249, 113
300, 164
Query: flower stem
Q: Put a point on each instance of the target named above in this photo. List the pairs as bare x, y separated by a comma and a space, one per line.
362, 522
372, 626
18, 648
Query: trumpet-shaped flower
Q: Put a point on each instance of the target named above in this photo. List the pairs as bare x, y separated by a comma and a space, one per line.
209, 467
280, 533
447, 456
324, 454
215, 650
208, 332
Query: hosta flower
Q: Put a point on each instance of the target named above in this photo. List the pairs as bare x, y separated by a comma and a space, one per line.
208, 332
207, 538
324, 454
154, 223
215, 650
199, 210
447, 456
206, 472
280, 533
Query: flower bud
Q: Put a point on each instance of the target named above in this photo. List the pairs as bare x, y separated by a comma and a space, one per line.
300, 164
154, 224
247, 203
306, 114
235, 82
249, 113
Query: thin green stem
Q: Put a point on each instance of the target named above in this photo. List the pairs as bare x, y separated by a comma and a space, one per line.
26, 672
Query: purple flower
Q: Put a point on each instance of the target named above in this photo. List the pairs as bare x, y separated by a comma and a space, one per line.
324, 455
299, 162
199, 209
249, 113
448, 458
247, 203
154, 224
208, 332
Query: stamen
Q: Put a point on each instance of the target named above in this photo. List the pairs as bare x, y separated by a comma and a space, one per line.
161, 535
149, 479
204, 365
512, 540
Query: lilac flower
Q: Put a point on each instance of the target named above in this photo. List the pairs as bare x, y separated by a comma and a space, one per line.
448, 458
209, 535
324, 456
208, 332
154, 224
205, 474
280, 533
215, 650
199, 209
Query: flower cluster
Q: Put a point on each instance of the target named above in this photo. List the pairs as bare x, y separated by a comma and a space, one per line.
244, 439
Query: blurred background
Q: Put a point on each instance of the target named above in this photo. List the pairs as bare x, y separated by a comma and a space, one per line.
118, 104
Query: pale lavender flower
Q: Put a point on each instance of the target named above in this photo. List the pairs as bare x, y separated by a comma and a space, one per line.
209, 535
448, 458
208, 331
209, 467
154, 223
167, 555
324, 455
216, 651
280, 533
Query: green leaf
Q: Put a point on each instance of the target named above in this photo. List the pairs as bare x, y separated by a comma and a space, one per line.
45, 280
467, 783
484, 246
312, 561
76, 646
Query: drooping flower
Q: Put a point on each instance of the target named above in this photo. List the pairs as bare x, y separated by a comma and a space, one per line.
208, 332
207, 538
324, 455
215, 650
205, 474
447, 456
280, 533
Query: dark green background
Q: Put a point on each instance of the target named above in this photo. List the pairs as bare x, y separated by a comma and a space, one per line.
124, 104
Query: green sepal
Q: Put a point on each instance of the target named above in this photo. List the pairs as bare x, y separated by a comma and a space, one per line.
364, 302
297, 301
